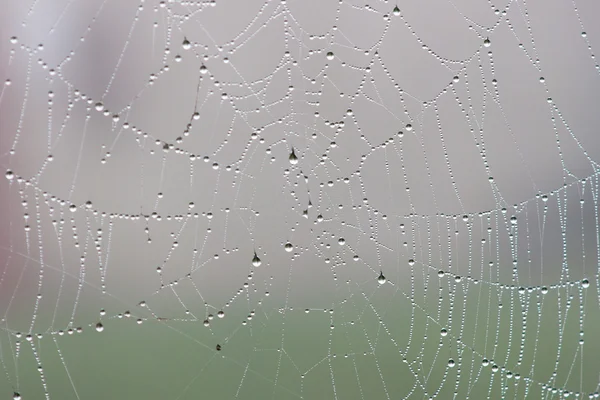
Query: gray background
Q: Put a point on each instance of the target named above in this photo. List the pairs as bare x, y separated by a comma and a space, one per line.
385, 341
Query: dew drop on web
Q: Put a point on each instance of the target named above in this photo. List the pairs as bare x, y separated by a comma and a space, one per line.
256, 261
293, 158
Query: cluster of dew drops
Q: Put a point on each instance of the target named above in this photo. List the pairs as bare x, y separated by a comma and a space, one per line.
256, 261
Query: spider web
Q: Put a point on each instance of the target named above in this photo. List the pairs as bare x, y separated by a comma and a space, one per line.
299, 199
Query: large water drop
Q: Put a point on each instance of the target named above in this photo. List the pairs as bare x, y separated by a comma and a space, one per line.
256, 261
293, 159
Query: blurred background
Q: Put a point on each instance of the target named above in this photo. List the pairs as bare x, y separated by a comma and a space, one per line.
299, 199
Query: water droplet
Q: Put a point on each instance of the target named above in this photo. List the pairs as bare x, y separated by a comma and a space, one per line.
396, 11
341, 241
411, 262
99, 327
203, 69
455, 79
186, 44
444, 332
221, 314
330, 55
9, 175
451, 363
441, 273
409, 127
14, 40
585, 284
72, 208
256, 261
293, 159
99, 106
544, 290
289, 247
16, 396
381, 279
487, 42
218, 347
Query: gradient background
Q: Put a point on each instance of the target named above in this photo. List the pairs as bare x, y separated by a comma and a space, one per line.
386, 340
